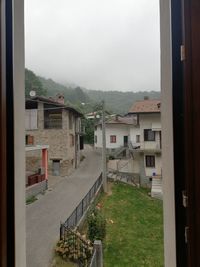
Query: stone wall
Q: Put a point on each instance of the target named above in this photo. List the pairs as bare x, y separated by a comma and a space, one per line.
36, 189
33, 160
58, 140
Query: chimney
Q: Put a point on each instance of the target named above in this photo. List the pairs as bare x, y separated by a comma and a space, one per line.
60, 98
146, 97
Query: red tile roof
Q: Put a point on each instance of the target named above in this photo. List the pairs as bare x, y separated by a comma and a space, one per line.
121, 120
146, 106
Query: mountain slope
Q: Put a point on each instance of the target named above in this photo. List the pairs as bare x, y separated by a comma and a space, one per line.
116, 102
120, 102
72, 95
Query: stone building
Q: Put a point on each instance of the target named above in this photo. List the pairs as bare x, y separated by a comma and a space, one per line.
50, 122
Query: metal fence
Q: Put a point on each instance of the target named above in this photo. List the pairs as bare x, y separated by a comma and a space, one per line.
93, 262
77, 214
97, 256
77, 249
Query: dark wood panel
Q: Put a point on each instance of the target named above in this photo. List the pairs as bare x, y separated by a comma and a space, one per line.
3, 185
191, 11
178, 133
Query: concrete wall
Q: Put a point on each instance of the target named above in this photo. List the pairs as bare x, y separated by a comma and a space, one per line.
36, 189
124, 165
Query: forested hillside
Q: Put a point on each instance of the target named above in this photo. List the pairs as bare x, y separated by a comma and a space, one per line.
120, 102
116, 102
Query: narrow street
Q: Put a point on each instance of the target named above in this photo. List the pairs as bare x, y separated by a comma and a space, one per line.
43, 217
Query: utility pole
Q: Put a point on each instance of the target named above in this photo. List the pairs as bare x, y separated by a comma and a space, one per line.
104, 169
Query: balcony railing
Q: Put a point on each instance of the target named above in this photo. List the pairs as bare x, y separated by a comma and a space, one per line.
146, 145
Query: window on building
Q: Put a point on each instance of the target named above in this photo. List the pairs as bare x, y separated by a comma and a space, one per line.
150, 161
31, 119
29, 140
137, 138
149, 135
52, 117
71, 140
95, 139
113, 139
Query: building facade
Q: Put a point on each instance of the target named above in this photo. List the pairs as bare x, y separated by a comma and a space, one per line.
50, 122
148, 148
139, 134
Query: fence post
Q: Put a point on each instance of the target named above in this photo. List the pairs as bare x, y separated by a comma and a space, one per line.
99, 253
61, 230
82, 206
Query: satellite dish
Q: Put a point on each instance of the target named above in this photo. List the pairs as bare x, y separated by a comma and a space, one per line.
32, 93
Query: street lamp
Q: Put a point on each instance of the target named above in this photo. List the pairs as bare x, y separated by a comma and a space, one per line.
104, 169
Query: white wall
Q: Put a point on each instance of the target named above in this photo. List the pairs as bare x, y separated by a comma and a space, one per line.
19, 132
157, 169
119, 130
126, 165
167, 135
133, 132
146, 121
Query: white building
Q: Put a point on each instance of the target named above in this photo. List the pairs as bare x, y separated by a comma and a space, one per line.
117, 132
140, 133
147, 150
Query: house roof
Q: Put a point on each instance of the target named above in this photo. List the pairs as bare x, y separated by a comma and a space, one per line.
121, 120
146, 106
52, 102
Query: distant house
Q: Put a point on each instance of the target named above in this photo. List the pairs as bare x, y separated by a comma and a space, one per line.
50, 122
118, 130
136, 137
92, 115
146, 141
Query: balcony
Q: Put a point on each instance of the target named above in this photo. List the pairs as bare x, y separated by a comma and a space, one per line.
146, 146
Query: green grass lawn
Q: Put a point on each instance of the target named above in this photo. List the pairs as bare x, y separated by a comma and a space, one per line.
134, 228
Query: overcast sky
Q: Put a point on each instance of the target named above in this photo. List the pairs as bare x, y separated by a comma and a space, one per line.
97, 44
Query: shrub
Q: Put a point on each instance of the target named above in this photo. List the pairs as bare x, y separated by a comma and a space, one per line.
96, 225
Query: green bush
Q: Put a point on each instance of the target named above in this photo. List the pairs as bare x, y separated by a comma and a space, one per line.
96, 225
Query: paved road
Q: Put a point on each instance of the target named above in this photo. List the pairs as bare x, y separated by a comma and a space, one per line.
43, 216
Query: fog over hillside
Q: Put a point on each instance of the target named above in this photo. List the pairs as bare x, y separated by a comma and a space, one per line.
116, 101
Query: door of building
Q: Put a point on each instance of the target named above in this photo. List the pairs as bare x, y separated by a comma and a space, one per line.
125, 140
56, 167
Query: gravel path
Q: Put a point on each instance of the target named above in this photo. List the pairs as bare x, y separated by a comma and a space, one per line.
43, 216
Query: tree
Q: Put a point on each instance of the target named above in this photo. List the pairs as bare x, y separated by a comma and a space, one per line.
32, 82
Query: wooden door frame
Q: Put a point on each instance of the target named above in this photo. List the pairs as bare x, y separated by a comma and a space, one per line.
7, 226
3, 171
186, 117
178, 131
191, 64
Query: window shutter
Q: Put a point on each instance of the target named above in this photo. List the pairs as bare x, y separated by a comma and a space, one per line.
33, 119
27, 119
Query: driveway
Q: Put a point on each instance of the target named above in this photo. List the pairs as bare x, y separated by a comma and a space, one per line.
43, 217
